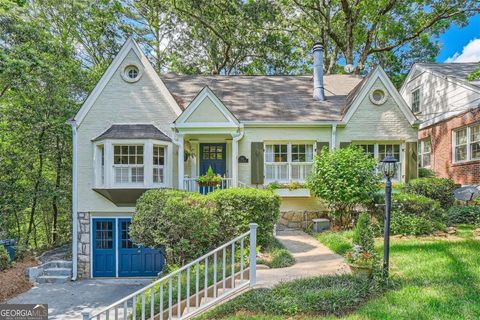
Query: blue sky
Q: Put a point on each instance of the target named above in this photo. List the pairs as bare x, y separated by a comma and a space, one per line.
457, 42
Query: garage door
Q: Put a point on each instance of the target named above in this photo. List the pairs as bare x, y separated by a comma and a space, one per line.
113, 251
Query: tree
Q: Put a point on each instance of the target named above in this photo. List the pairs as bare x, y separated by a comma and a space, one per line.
344, 178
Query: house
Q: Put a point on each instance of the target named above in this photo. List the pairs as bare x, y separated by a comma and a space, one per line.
138, 131
449, 107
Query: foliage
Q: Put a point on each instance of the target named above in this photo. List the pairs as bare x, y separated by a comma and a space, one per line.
236, 208
415, 215
439, 189
4, 258
464, 214
290, 186
362, 253
344, 178
181, 222
426, 173
276, 256
209, 178
339, 242
328, 295
475, 74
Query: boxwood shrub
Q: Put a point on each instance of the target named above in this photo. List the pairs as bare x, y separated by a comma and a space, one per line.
416, 215
439, 189
464, 214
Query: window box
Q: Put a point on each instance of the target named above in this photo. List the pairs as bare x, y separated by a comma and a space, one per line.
286, 193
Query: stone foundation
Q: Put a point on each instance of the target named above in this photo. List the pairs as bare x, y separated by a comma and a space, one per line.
300, 219
83, 245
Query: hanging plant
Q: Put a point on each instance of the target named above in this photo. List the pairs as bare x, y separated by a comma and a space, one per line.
209, 179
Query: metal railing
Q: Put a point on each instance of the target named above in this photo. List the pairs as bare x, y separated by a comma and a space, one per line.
191, 184
193, 288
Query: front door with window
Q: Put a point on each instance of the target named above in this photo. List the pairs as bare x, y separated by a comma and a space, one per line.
213, 155
104, 248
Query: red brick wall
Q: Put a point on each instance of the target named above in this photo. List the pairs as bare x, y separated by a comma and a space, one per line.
441, 155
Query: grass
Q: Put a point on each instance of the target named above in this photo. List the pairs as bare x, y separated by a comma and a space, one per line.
434, 279
276, 256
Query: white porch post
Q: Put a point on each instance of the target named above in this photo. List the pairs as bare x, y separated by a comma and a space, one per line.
193, 159
181, 169
235, 140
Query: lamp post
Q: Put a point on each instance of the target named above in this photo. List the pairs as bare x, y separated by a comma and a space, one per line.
389, 167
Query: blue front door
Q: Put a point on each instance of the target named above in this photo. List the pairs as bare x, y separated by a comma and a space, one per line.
135, 260
213, 155
104, 248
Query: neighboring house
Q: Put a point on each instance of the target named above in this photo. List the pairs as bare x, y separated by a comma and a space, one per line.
138, 131
449, 107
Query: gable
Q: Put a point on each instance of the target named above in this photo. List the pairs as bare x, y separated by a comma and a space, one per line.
206, 112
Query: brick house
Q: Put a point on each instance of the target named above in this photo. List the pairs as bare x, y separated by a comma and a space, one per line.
449, 107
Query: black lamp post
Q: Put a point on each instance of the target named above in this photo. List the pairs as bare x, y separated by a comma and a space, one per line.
389, 167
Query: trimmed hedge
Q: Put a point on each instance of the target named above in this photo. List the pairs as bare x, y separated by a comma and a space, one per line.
439, 189
464, 214
236, 208
416, 215
426, 173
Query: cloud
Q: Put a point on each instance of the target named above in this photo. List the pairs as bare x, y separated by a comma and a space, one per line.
470, 53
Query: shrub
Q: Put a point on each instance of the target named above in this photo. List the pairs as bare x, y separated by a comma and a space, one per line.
4, 258
236, 208
464, 214
426, 173
415, 214
439, 189
363, 253
344, 178
276, 256
181, 222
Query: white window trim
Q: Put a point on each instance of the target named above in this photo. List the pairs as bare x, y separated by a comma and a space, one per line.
468, 143
421, 153
109, 180
376, 152
420, 100
289, 159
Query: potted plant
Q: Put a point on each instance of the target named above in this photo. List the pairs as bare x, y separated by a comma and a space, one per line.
209, 179
362, 258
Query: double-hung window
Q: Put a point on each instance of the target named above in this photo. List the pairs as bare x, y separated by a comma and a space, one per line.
466, 143
416, 100
287, 162
380, 150
158, 164
128, 164
424, 149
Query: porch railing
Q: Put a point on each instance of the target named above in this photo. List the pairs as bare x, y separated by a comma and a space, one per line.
194, 287
191, 184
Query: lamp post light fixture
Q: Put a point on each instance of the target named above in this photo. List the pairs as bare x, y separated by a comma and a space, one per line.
389, 168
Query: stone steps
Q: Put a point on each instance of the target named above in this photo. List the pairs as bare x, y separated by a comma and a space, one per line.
53, 279
57, 271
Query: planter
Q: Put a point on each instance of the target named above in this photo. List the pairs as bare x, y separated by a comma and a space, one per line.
361, 270
300, 193
209, 184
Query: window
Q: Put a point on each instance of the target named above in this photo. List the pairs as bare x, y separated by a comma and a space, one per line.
104, 235
158, 164
378, 96
288, 162
126, 242
466, 143
212, 152
416, 100
128, 164
131, 72
424, 148
380, 150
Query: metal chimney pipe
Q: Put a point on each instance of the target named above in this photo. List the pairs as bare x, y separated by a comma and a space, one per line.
318, 89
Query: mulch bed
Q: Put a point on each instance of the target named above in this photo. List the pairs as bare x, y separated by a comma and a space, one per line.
13, 281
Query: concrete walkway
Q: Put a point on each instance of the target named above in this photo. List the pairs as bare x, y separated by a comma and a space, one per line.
67, 300
312, 259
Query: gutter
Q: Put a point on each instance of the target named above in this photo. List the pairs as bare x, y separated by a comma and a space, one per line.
74, 126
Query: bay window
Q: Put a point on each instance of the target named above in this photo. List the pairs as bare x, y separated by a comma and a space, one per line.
466, 143
288, 162
424, 149
128, 164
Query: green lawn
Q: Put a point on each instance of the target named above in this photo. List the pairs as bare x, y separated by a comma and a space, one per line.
434, 279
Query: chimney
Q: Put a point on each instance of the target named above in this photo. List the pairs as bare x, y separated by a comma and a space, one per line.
318, 90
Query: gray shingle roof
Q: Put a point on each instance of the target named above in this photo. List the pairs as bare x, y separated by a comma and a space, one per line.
454, 70
268, 98
133, 131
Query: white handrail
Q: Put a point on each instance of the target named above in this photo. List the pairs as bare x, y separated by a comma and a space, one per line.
139, 295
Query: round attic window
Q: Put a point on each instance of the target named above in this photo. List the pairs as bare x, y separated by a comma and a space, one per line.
131, 73
378, 96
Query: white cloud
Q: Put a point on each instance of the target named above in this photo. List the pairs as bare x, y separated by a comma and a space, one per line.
470, 53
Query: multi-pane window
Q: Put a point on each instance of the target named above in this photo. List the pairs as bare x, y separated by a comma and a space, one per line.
288, 162
388, 149
126, 242
424, 149
158, 164
128, 163
212, 152
104, 235
467, 143
380, 150
416, 100
368, 149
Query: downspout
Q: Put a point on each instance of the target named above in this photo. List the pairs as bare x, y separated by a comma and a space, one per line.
235, 153
73, 124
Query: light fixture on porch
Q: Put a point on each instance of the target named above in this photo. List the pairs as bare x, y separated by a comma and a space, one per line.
389, 167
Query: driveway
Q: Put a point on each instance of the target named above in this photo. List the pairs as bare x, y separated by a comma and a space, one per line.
67, 300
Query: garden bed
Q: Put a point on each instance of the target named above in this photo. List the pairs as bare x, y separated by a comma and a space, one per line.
13, 280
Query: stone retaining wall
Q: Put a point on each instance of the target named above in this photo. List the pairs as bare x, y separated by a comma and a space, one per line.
300, 219
83, 265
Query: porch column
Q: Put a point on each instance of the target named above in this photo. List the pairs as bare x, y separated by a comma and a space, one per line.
234, 163
193, 159
181, 163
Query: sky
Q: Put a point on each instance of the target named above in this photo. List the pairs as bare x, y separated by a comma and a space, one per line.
461, 44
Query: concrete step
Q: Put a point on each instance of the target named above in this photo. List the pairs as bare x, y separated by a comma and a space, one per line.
53, 279
58, 272
60, 264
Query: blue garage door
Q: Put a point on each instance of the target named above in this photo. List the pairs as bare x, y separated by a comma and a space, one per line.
135, 260
104, 247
